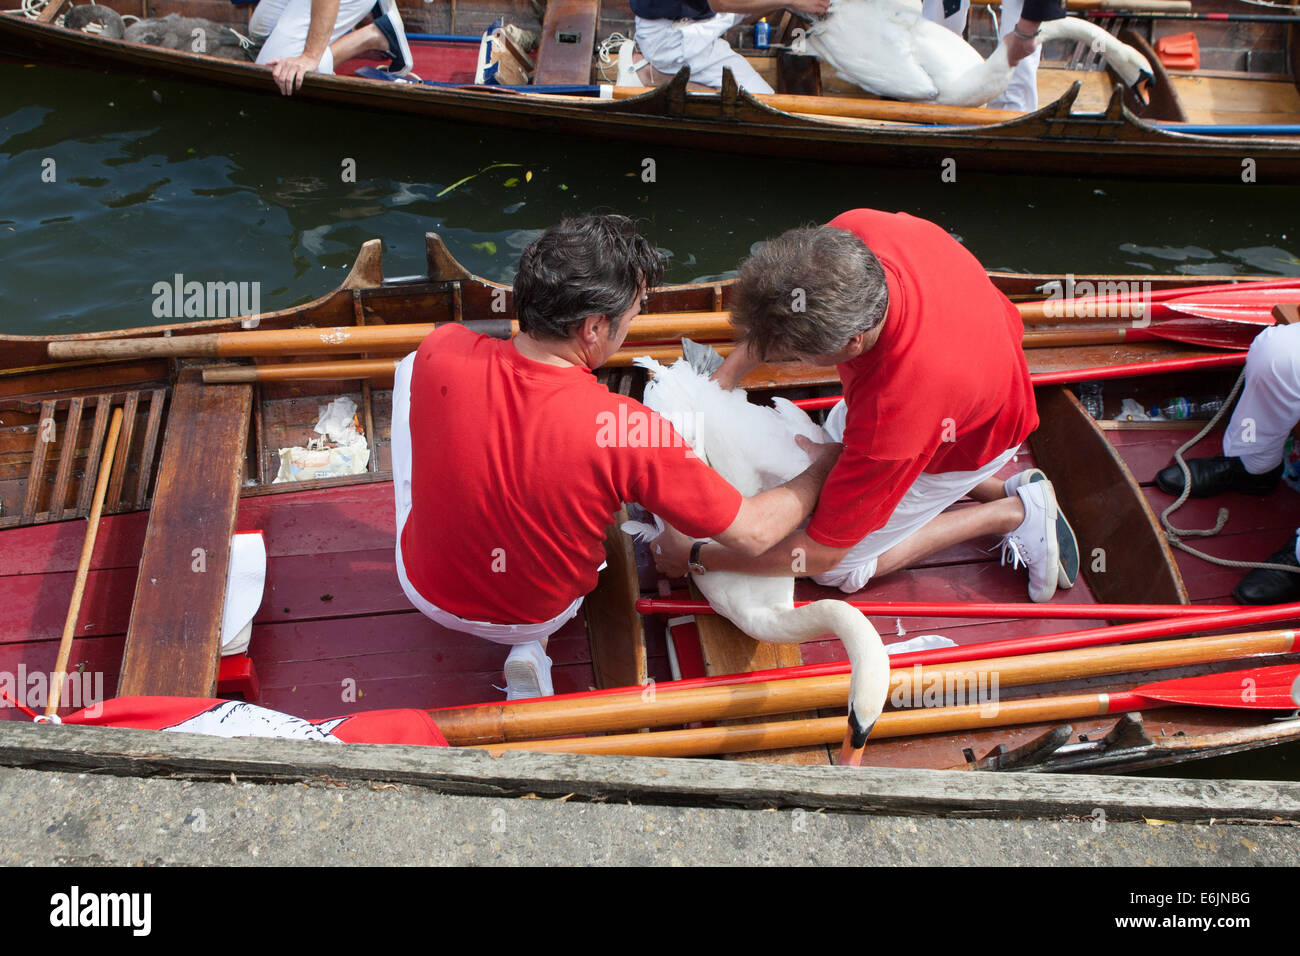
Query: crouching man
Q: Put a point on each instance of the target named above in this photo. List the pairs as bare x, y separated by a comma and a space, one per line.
937, 400
506, 470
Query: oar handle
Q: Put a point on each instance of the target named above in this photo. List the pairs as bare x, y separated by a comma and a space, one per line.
83, 565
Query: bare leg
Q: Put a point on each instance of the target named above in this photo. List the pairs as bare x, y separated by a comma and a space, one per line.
953, 527
990, 489
359, 41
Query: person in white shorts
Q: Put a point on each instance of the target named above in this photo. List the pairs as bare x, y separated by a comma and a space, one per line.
1017, 26
937, 400
1254, 445
310, 36
674, 33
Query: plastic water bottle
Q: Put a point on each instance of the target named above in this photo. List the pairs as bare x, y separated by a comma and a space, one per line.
762, 35
1180, 408
1090, 398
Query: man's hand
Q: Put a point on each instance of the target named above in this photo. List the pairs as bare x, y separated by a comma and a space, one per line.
1017, 46
821, 453
814, 8
289, 71
672, 552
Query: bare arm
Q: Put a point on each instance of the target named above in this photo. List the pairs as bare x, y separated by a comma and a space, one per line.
814, 8
736, 366
289, 71
769, 516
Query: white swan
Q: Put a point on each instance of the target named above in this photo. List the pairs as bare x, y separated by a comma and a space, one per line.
754, 448
888, 48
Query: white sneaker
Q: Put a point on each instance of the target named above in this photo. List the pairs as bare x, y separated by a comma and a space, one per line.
1022, 478
1034, 542
528, 672
1065, 539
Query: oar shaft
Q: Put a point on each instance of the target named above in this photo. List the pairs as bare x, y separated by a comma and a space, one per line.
777, 735
991, 609
639, 707
83, 565
302, 372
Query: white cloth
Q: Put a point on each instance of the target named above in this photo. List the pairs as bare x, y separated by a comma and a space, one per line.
671, 44
284, 23
923, 502
400, 436
1269, 406
1022, 92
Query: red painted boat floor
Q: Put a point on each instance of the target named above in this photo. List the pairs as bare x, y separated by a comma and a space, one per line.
334, 619
430, 60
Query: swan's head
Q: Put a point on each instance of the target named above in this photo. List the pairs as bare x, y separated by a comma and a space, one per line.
868, 689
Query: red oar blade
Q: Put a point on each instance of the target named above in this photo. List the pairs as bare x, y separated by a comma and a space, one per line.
1260, 688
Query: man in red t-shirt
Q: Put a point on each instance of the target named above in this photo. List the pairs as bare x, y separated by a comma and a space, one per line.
510, 459
937, 400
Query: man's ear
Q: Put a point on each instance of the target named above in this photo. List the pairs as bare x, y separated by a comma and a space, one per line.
592, 328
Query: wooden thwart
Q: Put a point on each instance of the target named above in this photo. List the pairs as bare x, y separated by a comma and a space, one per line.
729, 650
568, 41
174, 640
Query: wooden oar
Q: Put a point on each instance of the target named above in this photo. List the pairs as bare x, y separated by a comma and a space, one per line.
859, 107
1201, 315
383, 368
1237, 689
83, 566
634, 707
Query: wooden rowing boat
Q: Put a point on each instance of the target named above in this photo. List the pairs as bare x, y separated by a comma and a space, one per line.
1242, 104
195, 462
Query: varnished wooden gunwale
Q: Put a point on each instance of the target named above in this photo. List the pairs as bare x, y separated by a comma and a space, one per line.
1054, 140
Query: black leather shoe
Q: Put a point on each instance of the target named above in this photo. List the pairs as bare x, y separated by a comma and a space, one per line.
1213, 476
1262, 586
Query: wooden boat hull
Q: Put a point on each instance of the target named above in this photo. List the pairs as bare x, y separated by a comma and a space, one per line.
1055, 140
334, 613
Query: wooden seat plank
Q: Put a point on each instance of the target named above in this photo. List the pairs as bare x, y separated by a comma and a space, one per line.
729, 650
568, 41
174, 639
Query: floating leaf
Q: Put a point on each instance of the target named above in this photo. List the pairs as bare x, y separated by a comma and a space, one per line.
511, 183
489, 247
462, 182
528, 176
564, 187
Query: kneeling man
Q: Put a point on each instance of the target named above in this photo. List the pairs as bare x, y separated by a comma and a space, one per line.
937, 400
507, 471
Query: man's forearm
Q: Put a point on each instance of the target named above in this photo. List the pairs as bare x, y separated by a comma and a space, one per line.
323, 15
771, 515
797, 554
747, 7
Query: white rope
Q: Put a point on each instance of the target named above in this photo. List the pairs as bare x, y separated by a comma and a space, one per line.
32, 8
609, 46
1175, 535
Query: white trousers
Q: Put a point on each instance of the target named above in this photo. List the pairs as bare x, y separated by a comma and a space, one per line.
401, 452
284, 23
671, 44
1022, 92
929, 496
1269, 406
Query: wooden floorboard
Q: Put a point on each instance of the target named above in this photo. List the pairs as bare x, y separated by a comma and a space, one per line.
173, 644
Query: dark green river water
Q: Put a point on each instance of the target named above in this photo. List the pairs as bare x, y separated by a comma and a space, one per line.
153, 178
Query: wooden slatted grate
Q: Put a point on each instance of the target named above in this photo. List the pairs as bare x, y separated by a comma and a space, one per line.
67, 440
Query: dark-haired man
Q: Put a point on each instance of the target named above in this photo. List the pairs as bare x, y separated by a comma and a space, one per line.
937, 400
507, 470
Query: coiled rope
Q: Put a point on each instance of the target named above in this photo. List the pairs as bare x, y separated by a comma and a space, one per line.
1175, 535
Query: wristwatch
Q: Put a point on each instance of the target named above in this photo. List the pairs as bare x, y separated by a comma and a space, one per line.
694, 565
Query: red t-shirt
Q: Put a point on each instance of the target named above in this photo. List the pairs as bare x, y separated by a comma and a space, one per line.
945, 388
518, 467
